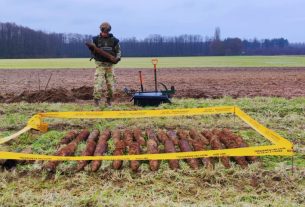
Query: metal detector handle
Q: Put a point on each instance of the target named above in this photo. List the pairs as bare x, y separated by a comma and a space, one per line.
154, 61
141, 80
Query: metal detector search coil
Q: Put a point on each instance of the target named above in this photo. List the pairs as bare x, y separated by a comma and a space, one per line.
153, 98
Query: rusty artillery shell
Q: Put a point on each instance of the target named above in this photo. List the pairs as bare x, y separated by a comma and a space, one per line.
229, 142
134, 149
170, 148
207, 134
128, 137
185, 147
152, 135
173, 136
162, 136
100, 149
116, 136
68, 137
67, 150
90, 148
194, 134
199, 145
82, 136
182, 134
119, 150
152, 148
216, 145
240, 142
137, 133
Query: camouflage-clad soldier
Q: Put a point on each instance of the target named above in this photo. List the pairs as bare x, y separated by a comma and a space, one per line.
104, 67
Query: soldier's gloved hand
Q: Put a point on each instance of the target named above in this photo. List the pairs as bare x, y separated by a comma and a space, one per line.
117, 59
91, 46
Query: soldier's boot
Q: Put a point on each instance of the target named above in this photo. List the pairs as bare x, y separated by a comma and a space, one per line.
96, 102
109, 102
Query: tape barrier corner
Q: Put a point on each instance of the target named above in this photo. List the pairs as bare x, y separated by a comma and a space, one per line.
43, 127
264, 131
35, 122
237, 110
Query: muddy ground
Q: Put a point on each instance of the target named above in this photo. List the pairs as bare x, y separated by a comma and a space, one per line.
69, 85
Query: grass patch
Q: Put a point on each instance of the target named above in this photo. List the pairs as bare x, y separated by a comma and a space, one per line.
267, 183
164, 62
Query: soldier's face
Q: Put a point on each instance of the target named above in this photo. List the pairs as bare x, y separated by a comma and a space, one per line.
104, 33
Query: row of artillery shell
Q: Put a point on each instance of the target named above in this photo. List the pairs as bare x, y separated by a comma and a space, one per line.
134, 141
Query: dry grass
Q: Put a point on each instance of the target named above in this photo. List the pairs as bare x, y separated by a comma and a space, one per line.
254, 186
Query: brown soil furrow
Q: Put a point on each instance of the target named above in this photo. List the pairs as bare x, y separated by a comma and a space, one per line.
19, 85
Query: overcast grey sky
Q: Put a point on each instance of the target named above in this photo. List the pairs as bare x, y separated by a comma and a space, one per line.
140, 18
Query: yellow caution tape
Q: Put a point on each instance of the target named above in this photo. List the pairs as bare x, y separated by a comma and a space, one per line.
281, 145
137, 114
14, 136
249, 151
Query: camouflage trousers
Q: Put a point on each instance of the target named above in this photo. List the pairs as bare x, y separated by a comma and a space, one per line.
104, 74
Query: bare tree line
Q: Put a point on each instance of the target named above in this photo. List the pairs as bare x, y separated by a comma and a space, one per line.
22, 42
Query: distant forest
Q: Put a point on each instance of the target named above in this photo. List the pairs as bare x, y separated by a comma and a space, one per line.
22, 42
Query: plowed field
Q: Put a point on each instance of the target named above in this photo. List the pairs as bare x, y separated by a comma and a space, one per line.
68, 85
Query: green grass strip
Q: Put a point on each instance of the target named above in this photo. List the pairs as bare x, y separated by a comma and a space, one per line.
164, 62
